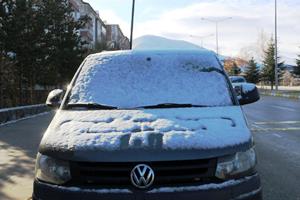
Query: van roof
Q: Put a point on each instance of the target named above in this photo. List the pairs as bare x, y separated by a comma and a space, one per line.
208, 58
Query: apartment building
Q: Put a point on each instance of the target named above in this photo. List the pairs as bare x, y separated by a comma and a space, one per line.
115, 38
95, 30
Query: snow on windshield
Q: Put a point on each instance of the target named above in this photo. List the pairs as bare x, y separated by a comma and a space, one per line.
133, 79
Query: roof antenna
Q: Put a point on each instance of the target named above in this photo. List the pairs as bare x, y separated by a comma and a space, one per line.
132, 22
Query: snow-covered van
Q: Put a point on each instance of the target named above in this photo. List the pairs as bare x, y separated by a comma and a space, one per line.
148, 125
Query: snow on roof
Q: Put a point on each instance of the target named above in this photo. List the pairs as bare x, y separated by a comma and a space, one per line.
156, 42
128, 79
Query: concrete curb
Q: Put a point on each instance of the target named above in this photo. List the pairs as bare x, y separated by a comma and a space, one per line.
12, 114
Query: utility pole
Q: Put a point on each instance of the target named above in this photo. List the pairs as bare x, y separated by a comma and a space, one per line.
132, 23
217, 21
276, 49
201, 37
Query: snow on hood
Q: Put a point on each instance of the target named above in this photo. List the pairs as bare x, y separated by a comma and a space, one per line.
169, 129
132, 79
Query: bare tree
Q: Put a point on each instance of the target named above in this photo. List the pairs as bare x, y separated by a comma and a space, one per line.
261, 44
256, 49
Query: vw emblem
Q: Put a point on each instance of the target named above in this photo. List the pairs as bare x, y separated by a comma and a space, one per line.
142, 176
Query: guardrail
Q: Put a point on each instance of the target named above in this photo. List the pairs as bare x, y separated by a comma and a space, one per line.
12, 114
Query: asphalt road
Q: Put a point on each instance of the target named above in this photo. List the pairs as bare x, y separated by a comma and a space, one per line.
275, 123
276, 126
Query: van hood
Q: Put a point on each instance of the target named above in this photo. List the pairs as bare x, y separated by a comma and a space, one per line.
113, 134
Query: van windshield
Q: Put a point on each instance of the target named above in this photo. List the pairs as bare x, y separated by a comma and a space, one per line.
140, 80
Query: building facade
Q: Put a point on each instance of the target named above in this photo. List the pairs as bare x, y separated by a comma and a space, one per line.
94, 31
115, 38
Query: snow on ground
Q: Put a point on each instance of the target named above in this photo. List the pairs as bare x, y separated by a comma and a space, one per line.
283, 88
21, 107
139, 78
180, 128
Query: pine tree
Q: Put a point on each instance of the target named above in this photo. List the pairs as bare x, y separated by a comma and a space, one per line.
40, 42
252, 72
61, 41
296, 70
268, 70
20, 42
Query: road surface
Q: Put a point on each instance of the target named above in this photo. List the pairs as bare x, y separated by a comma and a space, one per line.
275, 123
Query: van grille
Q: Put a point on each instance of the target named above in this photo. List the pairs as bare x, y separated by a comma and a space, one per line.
167, 173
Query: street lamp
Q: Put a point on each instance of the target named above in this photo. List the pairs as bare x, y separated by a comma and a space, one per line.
202, 37
276, 49
217, 21
132, 22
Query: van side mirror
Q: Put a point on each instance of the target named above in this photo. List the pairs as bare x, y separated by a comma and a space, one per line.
54, 98
248, 93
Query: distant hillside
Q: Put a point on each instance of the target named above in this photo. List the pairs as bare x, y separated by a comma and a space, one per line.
160, 43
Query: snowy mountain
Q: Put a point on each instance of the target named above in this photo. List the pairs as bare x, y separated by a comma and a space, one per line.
160, 43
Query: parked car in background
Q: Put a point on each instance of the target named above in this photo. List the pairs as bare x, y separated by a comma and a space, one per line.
148, 125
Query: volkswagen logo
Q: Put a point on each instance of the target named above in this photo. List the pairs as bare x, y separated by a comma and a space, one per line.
142, 176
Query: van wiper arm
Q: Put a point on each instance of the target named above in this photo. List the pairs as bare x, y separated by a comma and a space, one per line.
171, 105
91, 106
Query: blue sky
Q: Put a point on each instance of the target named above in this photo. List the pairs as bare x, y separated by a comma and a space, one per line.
251, 25
145, 9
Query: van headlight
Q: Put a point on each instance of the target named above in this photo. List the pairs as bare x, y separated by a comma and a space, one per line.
235, 165
52, 170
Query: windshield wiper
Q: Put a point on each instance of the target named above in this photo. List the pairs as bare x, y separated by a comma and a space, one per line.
171, 105
91, 106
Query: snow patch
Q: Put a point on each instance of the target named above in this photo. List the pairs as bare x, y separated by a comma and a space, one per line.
247, 87
180, 128
100, 191
200, 187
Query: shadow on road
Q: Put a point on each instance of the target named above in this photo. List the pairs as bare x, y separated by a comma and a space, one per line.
18, 147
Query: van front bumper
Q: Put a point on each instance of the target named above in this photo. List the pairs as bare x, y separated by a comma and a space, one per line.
248, 188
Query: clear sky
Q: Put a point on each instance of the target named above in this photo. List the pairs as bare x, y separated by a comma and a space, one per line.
179, 19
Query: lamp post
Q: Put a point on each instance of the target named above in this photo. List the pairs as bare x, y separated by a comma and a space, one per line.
201, 37
217, 21
276, 49
132, 23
